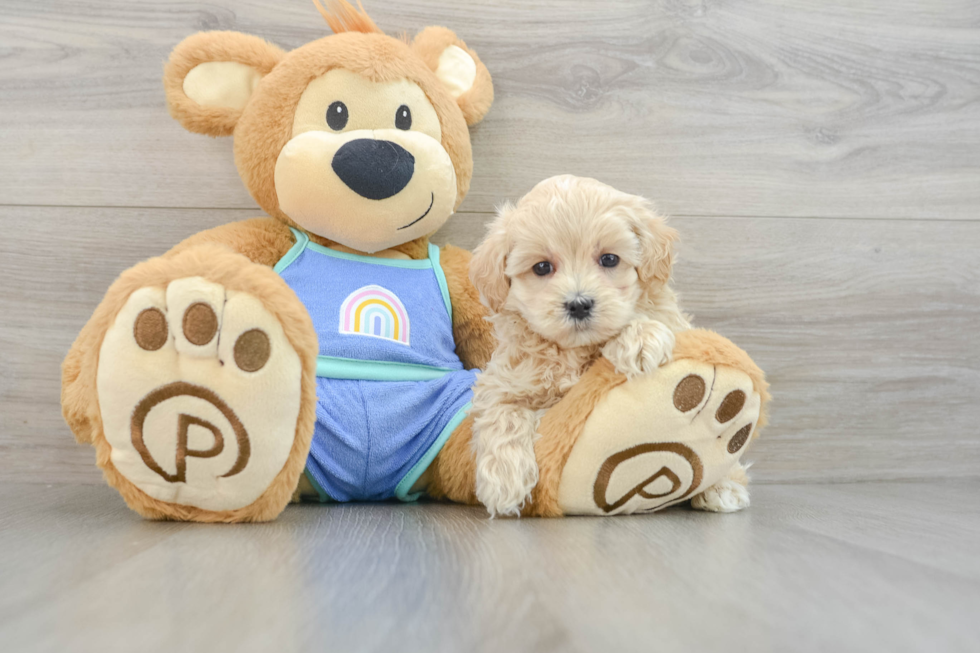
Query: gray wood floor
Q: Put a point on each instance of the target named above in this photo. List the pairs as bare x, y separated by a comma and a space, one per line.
850, 567
822, 162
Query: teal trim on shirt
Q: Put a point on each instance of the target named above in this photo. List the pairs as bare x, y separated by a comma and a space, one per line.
404, 486
363, 370
302, 240
323, 496
440, 277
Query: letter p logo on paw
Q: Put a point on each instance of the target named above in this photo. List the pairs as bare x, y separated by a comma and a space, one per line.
660, 439
182, 450
662, 487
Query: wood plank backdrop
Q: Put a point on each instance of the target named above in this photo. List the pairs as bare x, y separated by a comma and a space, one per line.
822, 161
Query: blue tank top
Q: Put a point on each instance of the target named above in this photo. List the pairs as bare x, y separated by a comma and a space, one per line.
391, 388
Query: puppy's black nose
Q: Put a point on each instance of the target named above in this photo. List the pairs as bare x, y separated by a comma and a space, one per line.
579, 308
374, 169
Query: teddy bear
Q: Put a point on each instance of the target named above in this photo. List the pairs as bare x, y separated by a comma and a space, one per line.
327, 351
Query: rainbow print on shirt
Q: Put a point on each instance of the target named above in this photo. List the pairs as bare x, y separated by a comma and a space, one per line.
377, 312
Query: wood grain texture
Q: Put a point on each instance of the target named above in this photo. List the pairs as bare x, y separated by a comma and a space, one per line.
823, 162
746, 108
869, 567
866, 328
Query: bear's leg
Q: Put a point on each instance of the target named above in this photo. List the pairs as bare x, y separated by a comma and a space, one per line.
612, 446
195, 381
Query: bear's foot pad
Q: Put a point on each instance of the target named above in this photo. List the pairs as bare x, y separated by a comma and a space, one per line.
199, 391
660, 439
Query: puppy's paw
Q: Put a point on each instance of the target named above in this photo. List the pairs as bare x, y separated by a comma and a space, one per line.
505, 477
727, 495
640, 348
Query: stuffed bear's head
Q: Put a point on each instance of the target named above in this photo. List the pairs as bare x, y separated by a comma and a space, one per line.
358, 137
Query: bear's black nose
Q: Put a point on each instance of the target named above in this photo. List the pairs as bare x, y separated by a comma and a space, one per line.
374, 169
579, 308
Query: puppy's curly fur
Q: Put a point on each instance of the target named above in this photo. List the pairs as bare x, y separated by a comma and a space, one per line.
575, 270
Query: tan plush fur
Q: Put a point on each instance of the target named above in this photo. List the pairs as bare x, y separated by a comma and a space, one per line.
80, 403
452, 475
430, 44
571, 225
205, 47
261, 240
474, 337
342, 17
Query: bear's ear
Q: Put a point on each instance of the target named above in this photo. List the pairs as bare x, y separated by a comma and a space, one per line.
459, 69
210, 78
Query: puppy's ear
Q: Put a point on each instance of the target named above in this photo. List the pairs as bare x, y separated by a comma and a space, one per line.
656, 244
488, 263
459, 69
210, 78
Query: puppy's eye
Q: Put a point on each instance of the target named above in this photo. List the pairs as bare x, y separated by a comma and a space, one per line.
403, 117
542, 269
337, 116
608, 260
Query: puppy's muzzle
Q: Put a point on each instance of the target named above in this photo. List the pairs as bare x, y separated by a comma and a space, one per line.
580, 308
374, 169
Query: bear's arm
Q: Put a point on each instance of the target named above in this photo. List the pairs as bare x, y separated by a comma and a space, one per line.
262, 240
474, 335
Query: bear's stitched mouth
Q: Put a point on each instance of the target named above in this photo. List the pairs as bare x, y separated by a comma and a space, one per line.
432, 201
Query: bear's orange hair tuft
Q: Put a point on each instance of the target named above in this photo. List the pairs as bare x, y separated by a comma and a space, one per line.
341, 16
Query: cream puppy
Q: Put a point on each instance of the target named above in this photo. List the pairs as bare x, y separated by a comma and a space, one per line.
575, 270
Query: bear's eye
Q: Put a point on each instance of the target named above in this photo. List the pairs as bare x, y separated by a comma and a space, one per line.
403, 117
337, 116
542, 269
608, 260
